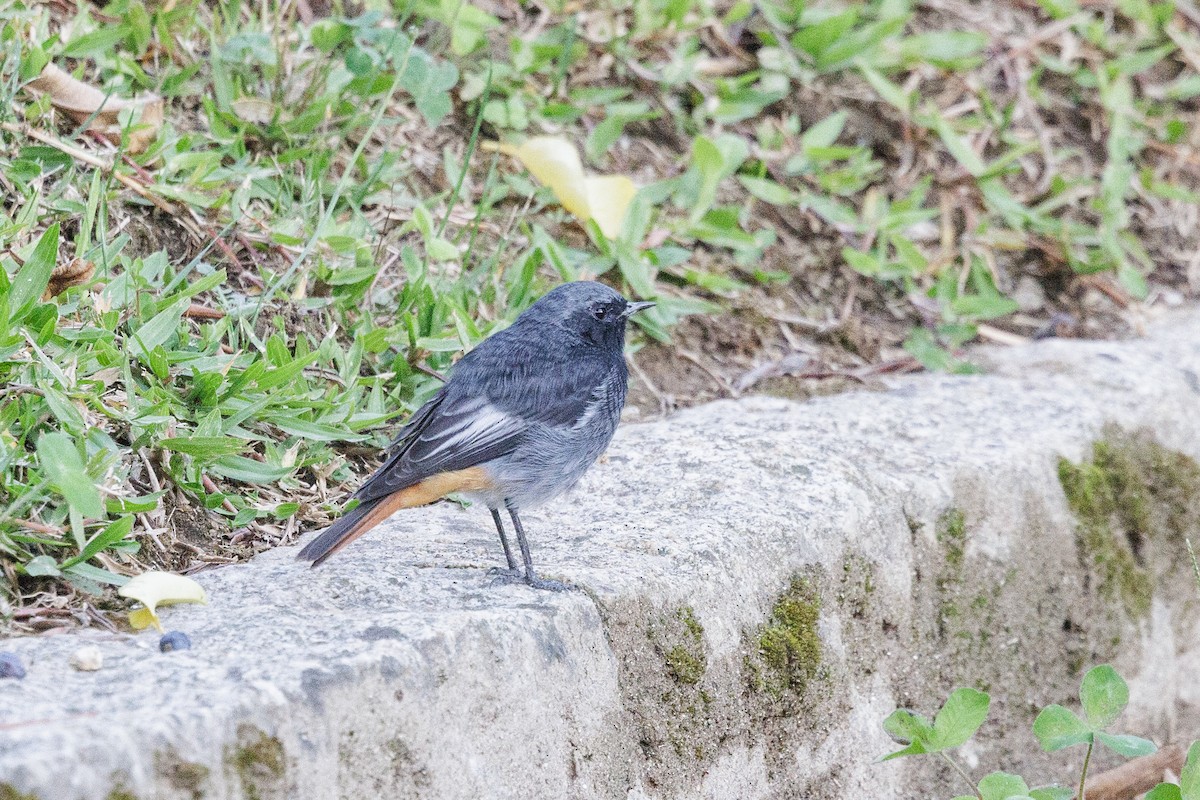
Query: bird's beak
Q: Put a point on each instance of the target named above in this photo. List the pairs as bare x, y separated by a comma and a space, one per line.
634, 308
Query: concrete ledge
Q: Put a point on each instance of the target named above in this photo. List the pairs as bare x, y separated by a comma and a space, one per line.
764, 582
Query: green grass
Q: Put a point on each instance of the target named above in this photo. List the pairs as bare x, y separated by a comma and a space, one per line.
316, 232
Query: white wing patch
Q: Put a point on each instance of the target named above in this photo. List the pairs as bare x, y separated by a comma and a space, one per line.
595, 404
474, 427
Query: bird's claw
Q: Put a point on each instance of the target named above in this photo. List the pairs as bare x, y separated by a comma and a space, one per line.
549, 585
508, 576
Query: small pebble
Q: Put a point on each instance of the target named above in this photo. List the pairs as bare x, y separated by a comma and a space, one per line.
1029, 294
87, 659
11, 666
174, 640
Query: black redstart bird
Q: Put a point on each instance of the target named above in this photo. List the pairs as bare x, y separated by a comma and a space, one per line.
519, 422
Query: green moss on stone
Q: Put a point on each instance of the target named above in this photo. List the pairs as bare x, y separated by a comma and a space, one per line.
679, 638
259, 762
10, 792
789, 649
857, 584
186, 775
952, 534
1131, 491
266, 752
1195, 562
687, 615
189, 776
683, 666
681, 705
120, 794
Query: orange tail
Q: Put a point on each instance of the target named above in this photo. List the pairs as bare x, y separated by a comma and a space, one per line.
348, 528
372, 512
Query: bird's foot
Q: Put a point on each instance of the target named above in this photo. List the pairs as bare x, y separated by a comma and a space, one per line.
549, 585
510, 576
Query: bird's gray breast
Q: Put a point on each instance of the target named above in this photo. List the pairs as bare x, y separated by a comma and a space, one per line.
552, 458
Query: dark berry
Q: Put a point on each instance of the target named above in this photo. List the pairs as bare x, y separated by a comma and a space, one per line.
174, 640
11, 666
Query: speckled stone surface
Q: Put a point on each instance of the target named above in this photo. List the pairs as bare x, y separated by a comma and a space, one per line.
399, 669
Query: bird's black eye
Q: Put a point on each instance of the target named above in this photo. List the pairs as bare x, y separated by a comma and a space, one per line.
600, 312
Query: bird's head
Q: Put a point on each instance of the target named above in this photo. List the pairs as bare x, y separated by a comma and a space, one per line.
592, 311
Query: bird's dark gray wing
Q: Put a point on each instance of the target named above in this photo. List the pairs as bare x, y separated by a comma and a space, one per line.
538, 379
445, 435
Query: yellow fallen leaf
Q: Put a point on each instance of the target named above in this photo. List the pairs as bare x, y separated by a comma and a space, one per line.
101, 110
153, 589
555, 162
609, 197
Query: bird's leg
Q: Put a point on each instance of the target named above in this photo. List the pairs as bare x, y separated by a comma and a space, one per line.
530, 576
513, 569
